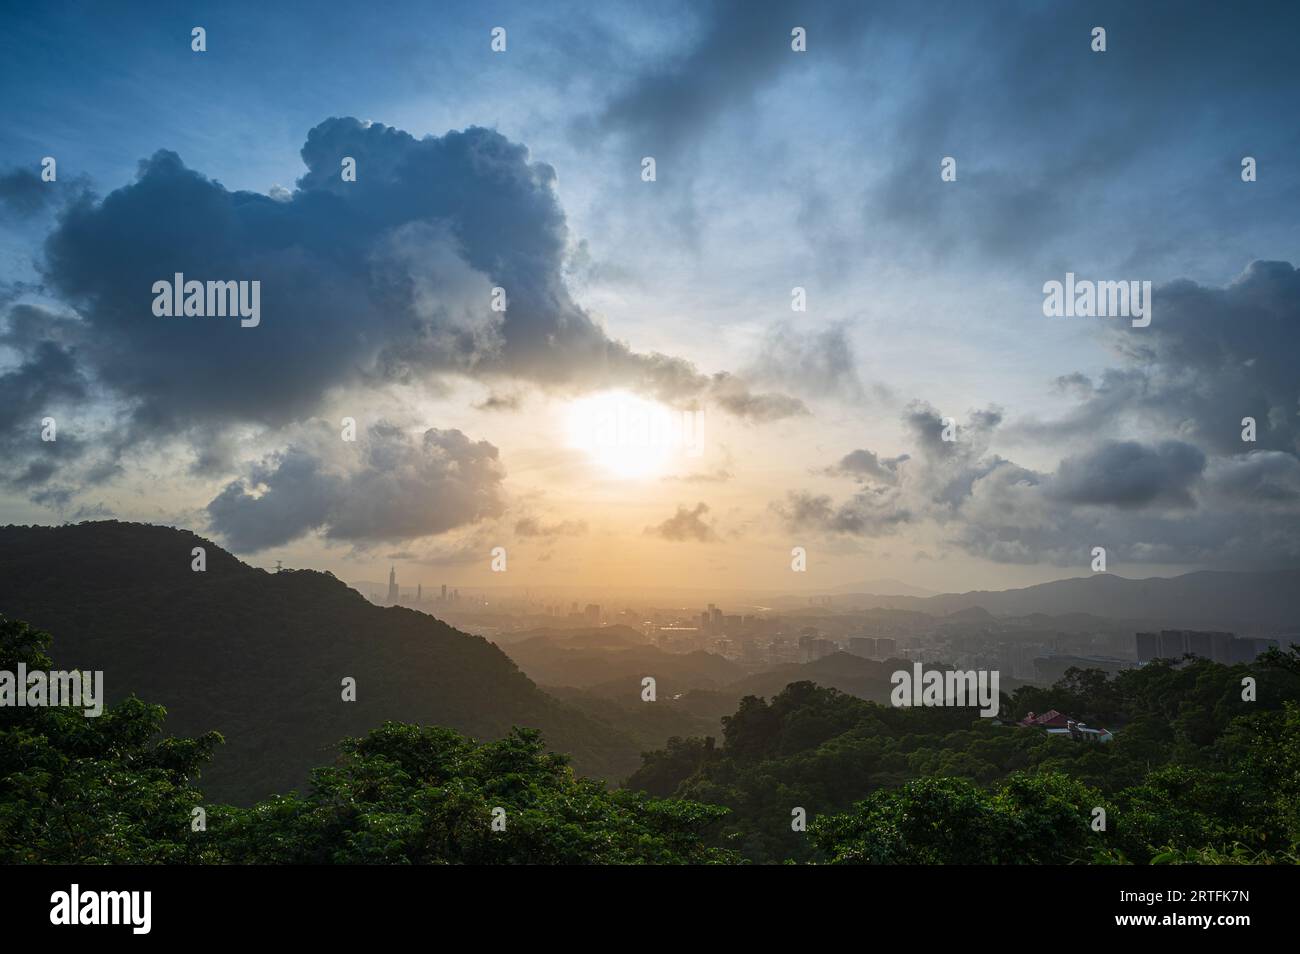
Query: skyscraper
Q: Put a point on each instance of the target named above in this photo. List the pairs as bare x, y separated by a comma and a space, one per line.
392, 586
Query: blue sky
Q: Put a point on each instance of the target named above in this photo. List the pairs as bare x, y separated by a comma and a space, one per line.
775, 169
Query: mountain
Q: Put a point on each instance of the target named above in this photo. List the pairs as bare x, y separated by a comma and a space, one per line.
882, 587
611, 661
1248, 603
261, 657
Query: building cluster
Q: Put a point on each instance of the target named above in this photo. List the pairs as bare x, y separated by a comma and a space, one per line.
1219, 647
396, 598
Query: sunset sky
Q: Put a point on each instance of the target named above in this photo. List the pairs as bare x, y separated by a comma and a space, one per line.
775, 169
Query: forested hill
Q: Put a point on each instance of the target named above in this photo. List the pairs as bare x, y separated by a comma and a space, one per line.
260, 657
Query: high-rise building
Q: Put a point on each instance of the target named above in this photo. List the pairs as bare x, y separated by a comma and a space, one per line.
1173, 643
864, 646
1199, 644
392, 586
444, 592
419, 592
886, 647
1219, 647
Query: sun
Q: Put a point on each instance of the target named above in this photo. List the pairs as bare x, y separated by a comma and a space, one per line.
625, 435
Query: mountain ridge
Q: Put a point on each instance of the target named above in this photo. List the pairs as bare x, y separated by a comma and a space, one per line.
260, 657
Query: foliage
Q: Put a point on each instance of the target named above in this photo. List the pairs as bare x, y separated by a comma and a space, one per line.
1195, 775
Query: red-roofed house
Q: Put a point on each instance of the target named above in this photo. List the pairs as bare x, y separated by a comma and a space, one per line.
1051, 719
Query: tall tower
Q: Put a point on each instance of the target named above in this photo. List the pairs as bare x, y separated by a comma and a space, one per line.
392, 586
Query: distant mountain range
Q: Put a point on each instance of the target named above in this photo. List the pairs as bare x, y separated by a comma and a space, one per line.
884, 587
260, 657
1250, 603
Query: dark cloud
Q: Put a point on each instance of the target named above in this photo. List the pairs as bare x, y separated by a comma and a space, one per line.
1269, 479
739, 47
22, 193
1210, 357
1036, 148
387, 486
46, 382
735, 397
869, 513
686, 524
1129, 474
864, 465
500, 402
387, 279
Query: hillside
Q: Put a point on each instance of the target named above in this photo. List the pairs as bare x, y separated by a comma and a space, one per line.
260, 656
1248, 603
613, 665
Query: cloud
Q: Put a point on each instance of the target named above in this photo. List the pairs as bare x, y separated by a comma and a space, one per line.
1166, 502
1129, 474
500, 402
863, 465
870, 513
736, 398
387, 280
740, 47
819, 364
387, 486
22, 192
686, 524
45, 383
1264, 479
532, 527
717, 476
1210, 357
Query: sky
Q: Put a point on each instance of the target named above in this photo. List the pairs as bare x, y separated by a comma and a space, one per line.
607, 375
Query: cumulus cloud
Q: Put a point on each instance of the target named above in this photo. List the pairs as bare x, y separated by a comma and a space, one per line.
686, 524
1129, 474
387, 280
387, 486
1210, 357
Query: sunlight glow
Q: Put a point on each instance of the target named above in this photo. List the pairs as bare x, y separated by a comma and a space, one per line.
627, 435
